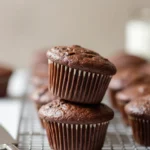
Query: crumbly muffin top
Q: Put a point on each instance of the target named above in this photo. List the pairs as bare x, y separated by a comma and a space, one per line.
122, 60
133, 92
139, 108
81, 58
66, 112
42, 95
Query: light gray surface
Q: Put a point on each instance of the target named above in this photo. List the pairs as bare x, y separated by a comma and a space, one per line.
5, 137
10, 110
6, 141
33, 137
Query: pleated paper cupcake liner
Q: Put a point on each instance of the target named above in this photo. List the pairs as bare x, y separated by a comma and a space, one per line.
76, 85
141, 130
124, 115
63, 136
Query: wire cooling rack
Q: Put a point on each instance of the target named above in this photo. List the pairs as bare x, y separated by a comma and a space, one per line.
33, 137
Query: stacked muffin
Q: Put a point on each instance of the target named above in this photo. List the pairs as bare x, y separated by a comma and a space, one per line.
80, 77
129, 92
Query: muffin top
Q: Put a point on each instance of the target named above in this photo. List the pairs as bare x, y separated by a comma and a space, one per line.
42, 96
139, 108
133, 92
81, 58
125, 78
122, 60
5, 71
66, 112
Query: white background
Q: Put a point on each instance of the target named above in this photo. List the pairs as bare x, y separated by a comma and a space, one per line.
27, 25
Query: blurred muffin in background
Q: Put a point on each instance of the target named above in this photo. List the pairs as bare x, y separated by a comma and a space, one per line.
123, 60
39, 57
123, 79
5, 73
138, 112
42, 96
129, 94
39, 68
128, 68
40, 75
145, 68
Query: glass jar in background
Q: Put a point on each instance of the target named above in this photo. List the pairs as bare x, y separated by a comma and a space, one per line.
138, 33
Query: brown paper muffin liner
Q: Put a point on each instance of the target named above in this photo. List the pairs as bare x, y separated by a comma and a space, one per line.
141, 130
112, 97
63, 136
38, 106
77, 85
124, 115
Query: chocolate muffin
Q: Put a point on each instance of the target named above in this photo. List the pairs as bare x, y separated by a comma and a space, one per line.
5, 73
139, 116
42, 96
129, 94
124, 60
123, 79
72, 126
79, 75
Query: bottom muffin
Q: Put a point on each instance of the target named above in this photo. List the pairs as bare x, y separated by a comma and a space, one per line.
138, 112
40, 97
75, 127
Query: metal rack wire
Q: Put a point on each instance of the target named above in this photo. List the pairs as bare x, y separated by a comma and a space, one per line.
33, 137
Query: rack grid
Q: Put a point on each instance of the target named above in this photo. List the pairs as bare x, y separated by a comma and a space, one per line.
33, 137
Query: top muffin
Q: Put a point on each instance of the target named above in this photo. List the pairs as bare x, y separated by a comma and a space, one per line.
81, 58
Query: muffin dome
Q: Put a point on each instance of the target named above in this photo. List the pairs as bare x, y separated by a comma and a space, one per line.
66, 112
78, 57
